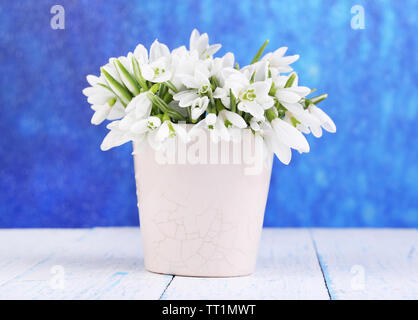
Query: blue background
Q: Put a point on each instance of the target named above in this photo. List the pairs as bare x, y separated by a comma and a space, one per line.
53, 174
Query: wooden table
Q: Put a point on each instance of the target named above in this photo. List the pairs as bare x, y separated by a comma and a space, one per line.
107, 263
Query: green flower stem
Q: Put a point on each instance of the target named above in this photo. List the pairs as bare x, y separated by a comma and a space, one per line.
214, 82
295, 121
128, 77
210, 94
124, 93
168, 98
163, 90
219, 106
259, 52
189, 113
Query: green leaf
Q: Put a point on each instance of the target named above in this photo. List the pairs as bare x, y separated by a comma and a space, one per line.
273, 90
160, 103
290, 81
259, 52
110, 89
138, 75
129, 78
171, 86
124, 93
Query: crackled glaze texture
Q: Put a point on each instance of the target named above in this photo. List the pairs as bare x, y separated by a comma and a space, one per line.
202, 219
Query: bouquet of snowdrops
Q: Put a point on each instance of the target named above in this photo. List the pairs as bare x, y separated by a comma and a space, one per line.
147, 96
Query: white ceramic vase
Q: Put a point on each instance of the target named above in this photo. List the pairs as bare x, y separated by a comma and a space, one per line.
200, 219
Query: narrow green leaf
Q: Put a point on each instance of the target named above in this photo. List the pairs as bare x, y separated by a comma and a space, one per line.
318, 99
171, 86
290, 81
160, 103
124, 94
138, 75
259, 52
110, 89
127, 75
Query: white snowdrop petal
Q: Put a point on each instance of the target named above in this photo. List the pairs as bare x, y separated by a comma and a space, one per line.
289, 135
158, 50
114, 138
283, 152
92, 79
116, 112
326, 121
213, 49
100, 114
287, 96
301, 91
99, 99
141, 53
235, 119
186, 97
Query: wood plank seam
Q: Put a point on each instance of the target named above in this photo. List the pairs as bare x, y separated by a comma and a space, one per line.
320, 263
165, 289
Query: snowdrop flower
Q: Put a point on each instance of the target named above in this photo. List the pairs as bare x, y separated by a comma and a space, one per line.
198, 107
323, 119
157, 67
115, 137
200, 44
290, 97
223, 67
273, 143
104, 102
147, 94
167, 130
140, 106
278, 62
289, 135
224, 126
198, 86
253, 97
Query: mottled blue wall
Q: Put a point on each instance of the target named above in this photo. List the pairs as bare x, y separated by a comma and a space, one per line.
53, 174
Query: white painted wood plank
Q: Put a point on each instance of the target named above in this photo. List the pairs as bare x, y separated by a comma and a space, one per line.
22, 249
104, 264
369, 263
287, 268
